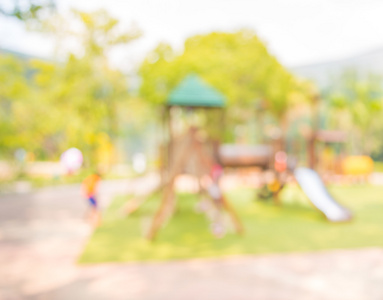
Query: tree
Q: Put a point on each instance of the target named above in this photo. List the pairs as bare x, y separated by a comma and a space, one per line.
27, 9
238, 64
356, 102
85, 88
73, 102
13, 90
92, 34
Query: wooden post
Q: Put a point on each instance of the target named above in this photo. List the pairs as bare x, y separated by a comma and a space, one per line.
170, 144
168, 200
223, 126
161, 213
208, 162
233, 215
312, 159
164, 147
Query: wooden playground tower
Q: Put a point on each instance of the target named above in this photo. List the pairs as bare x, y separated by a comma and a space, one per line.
189, 153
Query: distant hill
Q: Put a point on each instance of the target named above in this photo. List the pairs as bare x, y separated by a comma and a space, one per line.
324, 73
20, 55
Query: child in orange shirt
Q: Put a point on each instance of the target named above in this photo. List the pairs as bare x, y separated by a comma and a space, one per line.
89, 187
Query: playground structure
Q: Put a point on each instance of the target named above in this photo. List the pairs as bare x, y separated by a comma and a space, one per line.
307, 178
328, 154
195, 154
192, 153
325, 157
193, 158
237, 156
284, 167
312, 185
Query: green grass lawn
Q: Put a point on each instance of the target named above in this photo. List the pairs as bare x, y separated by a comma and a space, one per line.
293, 227
378, 166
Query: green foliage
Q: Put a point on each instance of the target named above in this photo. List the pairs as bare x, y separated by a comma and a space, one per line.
13, 90
237, 64
27, 9
356, 106
93, 34
78, 103
53, 106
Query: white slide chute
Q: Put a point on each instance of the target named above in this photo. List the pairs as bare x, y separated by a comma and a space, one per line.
314, 188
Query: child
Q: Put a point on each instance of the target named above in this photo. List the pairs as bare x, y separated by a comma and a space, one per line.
89, 187
215, 193
221, 203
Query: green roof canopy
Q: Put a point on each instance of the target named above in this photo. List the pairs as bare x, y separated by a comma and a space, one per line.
193, 91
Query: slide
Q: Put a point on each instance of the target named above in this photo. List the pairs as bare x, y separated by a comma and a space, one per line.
313, 186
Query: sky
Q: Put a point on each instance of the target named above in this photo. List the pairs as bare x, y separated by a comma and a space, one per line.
297, 32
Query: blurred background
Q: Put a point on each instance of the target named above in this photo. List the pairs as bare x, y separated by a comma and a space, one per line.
95, 75
282, 99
